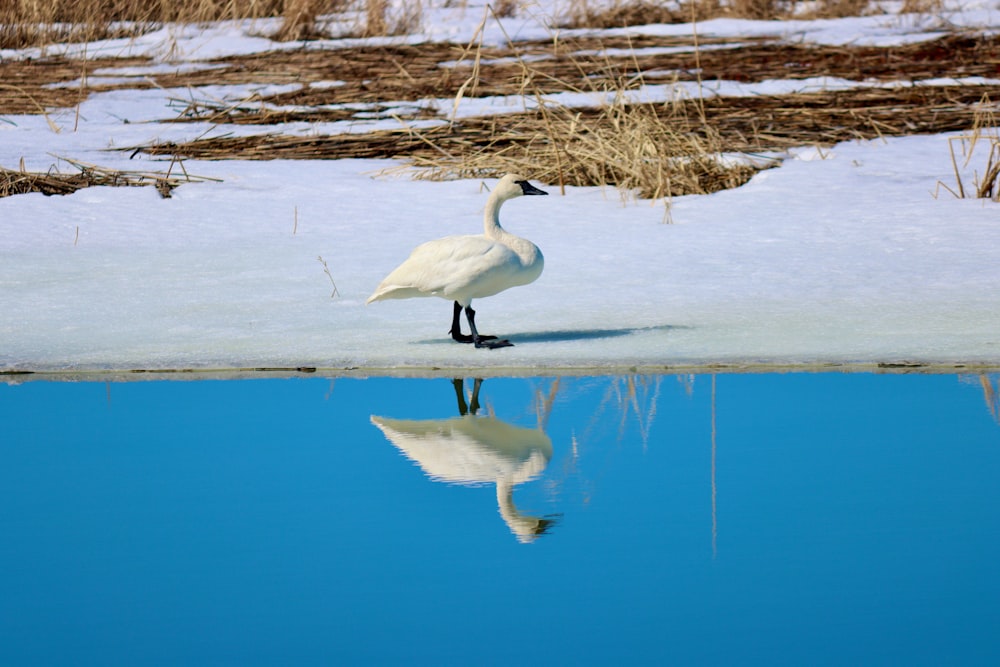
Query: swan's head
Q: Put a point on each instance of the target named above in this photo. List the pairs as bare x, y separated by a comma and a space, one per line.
515, 185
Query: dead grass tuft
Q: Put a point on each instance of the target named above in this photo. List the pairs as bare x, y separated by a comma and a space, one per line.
555, 144
985, 132
506, 9
299, 19
637, 148
647, 150
633, 147
25, 23
622, 13
52, 182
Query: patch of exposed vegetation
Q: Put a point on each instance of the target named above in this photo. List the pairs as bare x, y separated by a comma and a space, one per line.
410, 73
983, 138
52, 182
624, 13
656, 150
26, 23
30, 23
598, 146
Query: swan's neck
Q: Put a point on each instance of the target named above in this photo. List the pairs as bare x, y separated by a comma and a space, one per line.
491, 219
523, 526
527, 250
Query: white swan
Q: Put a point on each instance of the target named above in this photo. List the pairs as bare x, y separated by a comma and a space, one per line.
476, 450
463, 268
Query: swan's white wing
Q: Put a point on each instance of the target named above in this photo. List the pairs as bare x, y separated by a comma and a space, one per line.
454, 267
470, 450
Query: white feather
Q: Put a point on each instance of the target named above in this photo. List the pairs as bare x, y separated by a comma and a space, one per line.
463, 268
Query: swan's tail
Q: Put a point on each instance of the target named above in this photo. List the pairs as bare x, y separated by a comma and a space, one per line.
379, 293
384, 292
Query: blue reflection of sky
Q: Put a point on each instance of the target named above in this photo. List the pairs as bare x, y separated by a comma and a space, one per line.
801, 519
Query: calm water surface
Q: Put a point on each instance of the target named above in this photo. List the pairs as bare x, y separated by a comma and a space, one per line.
737, 519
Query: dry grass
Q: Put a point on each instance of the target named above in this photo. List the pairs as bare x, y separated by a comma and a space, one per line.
640, 149
398, 73
622, 13
985, 133
554, 145
381, 19
652, 150
413, 72
26, 23
991, 394
52, 182
922, 7
505, 9
633, 147
299, 19
34, 23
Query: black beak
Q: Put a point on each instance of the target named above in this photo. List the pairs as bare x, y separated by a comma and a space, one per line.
529, 189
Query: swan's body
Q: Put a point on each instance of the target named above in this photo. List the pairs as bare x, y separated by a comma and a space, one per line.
476, 450
463, 268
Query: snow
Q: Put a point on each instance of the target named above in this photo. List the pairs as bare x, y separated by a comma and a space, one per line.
851, 255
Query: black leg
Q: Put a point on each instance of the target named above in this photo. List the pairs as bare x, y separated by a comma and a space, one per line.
474, 404
459, 386
472, 407
490, 342
456, 327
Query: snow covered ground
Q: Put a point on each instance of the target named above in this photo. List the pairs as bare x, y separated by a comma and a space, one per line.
841, 256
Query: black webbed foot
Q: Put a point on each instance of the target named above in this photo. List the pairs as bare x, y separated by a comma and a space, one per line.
480, 340
492, 342
460, 337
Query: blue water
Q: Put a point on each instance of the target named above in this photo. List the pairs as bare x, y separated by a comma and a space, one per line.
770, 519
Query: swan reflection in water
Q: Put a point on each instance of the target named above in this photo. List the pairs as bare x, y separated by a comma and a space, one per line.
472, 449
